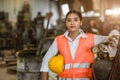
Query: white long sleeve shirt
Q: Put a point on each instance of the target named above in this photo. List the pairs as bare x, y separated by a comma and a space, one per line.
53, 50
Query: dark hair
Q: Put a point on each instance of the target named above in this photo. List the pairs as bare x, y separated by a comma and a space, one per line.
76, 12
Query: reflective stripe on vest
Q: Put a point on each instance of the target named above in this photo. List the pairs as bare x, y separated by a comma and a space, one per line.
78, 65
74, 79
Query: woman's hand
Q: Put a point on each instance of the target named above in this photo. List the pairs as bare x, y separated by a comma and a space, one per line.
113, 40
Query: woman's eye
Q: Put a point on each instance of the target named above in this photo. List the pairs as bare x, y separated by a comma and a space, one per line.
68, 20
75, 19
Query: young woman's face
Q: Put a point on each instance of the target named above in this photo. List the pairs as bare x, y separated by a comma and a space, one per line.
73, 22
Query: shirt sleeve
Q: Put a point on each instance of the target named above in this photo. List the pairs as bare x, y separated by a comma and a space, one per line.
99, 38
53, 50
114, 32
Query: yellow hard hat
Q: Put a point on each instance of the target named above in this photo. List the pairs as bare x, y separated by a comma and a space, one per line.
56, 64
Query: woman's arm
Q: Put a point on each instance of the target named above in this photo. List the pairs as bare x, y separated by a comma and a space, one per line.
99, 38
53, 50
44, 76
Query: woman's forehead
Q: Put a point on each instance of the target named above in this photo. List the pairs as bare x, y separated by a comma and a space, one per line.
72, 15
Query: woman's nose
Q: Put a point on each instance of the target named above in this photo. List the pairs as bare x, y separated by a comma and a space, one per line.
72, 22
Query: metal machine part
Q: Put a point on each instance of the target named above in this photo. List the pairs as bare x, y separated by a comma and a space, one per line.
28, 65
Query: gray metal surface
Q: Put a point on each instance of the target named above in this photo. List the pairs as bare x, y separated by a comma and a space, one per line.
28, 65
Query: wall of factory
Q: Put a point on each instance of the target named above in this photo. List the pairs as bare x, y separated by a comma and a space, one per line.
14, 6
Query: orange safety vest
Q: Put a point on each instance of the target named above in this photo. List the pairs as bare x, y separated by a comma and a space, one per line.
80, 66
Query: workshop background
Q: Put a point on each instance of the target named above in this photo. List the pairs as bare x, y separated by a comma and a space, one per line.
28, 27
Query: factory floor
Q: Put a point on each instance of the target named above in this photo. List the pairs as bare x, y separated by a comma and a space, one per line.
6, 76
7, 70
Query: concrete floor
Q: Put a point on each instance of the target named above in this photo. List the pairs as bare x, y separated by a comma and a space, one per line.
5, 76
